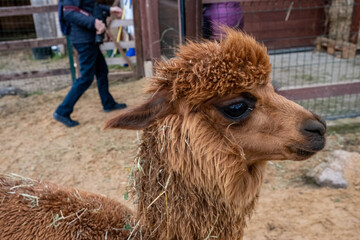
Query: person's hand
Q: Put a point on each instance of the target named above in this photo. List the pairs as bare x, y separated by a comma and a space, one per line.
99, 26
117, 11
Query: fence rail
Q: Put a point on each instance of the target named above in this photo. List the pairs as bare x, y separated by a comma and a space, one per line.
26, 10
31, 43
321, 91
34, 74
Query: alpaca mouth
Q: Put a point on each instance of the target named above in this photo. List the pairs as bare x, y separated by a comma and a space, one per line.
302, 153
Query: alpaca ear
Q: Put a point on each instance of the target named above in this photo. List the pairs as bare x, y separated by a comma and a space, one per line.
142, 116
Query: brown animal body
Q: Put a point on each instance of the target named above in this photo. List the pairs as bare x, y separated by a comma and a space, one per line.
210, 125
31, 209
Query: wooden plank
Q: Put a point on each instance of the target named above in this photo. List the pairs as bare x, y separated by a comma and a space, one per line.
181, 16
144, 28
265, 20
31, 43
45, 23
138, 39
284, 4
251, 1
120, 49
223, 1
343, 49
56, 72
119, 75
169, 4
111, 45
152, 13
193, 19
121, 23
168, 15
26, 10
34, 74
355, 26
321, 91
119, 60
169, 26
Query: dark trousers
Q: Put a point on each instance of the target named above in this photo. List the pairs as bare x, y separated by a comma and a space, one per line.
92, 62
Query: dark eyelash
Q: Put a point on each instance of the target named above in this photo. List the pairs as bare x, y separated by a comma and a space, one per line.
237, 111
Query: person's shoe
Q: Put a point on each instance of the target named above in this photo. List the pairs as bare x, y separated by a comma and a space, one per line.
117, 106
67, 121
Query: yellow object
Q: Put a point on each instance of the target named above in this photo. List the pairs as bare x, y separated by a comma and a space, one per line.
120, 30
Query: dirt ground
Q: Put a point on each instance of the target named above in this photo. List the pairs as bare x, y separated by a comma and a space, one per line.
32, 144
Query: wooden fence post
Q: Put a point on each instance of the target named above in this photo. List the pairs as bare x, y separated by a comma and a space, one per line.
193, 15
45, 23
138, 39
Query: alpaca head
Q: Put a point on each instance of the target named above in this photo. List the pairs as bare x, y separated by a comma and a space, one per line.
222, 113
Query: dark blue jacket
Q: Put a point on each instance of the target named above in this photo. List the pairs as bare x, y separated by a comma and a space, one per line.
82, 26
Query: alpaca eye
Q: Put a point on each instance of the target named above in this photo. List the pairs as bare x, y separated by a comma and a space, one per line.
236, 110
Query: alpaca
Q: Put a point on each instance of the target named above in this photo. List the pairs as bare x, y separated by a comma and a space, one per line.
31, 209
211, 123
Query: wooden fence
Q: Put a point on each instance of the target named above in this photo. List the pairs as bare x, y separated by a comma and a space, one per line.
45, 42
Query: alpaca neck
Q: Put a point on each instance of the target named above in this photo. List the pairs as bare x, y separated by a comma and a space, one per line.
175, 205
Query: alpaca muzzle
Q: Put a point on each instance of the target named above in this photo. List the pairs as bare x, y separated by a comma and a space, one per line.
313, 132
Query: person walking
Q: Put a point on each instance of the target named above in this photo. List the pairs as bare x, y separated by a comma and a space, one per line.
84, 27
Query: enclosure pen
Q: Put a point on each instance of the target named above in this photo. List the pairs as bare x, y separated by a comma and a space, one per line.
311, 43
37, 58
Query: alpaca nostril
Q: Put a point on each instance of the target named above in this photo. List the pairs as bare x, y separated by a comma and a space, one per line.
314, 127
320, 119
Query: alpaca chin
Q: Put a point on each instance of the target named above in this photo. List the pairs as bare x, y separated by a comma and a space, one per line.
250, 185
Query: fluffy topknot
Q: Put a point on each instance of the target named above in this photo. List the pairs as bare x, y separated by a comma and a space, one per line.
208, 69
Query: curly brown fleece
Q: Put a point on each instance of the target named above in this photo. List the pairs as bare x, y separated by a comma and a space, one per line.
202, 71
31, 209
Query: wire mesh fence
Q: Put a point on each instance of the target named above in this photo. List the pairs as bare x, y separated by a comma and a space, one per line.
170, 33
20, 61
34, 54
27, 61
310, 43
16, 27
306, 57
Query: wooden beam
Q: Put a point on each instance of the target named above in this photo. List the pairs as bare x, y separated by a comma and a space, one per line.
121, 23
143, 19
170, 4
119, 61
120, 75
34, 74
193, 15
321, 91
355, 23
31, 43
56, 72
138, 39
152, 14
225, 1
181, 21
111, 45
118, 47
26, 10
